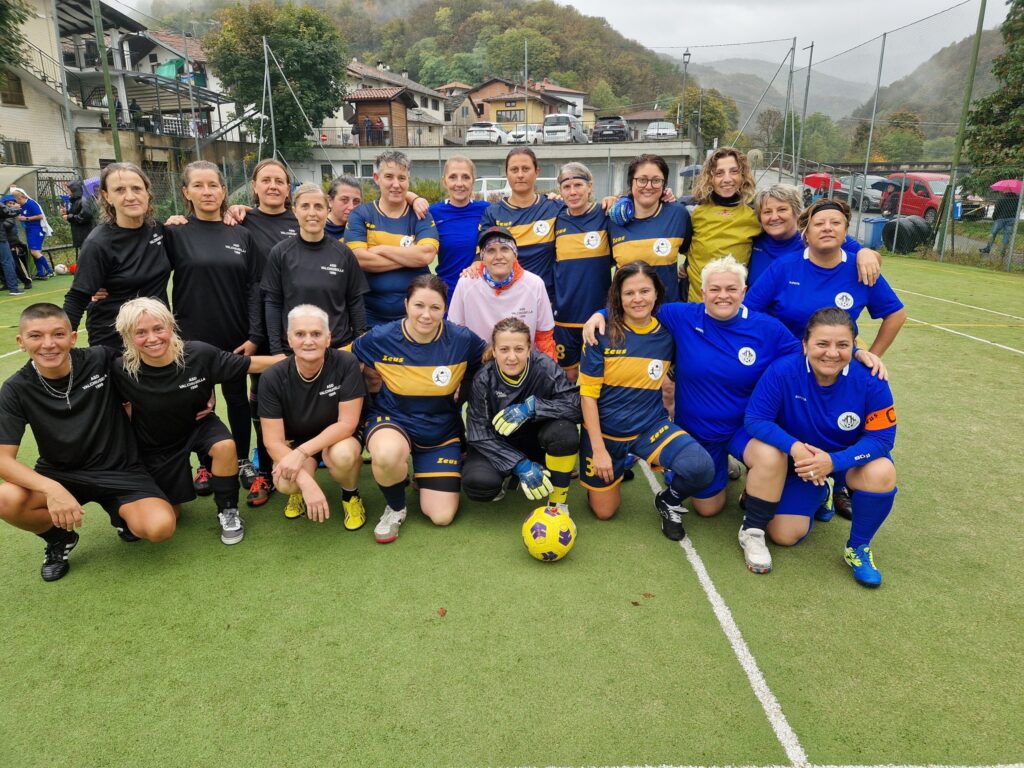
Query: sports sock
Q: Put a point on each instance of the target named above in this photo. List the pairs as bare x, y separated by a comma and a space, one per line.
758, 513
394, 495
53, 535
347, 495
869, 512
266, 463
225, 491
560, 468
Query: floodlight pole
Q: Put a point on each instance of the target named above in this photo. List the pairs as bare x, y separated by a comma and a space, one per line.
803, 115
871, 134
270, 98
785, 116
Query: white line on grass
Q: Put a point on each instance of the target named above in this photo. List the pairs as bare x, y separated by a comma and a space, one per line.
783, 731
958, 303
8, 354
967, 336
813, 765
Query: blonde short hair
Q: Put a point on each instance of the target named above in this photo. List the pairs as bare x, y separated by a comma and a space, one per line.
724, 264
784, 193
127, 323
309, 189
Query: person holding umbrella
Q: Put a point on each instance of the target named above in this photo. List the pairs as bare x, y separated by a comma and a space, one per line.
1005, 211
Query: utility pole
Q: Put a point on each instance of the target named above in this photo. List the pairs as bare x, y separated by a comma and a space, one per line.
191, 74
270, 98
803, 116
101, 49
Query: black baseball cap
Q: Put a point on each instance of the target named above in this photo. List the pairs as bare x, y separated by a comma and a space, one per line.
490, 232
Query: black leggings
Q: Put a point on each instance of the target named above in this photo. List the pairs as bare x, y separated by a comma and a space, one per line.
236, 398
557, 437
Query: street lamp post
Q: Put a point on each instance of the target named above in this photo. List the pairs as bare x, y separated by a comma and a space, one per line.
686, 63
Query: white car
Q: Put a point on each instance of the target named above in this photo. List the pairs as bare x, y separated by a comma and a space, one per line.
661, 131
486, 133
526, 133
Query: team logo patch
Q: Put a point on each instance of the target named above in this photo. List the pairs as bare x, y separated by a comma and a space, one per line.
592, 240
441, 375
747, 356
541, 228
844, 300
662, 247
848, 421
407, 241
655, 369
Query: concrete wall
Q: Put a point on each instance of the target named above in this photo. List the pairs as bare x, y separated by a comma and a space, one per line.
40, 122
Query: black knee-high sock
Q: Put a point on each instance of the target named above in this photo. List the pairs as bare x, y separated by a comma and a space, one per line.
758, 513
53, 535
394, 495
225, 491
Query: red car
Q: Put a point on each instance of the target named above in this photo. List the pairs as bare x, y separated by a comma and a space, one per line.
921, 193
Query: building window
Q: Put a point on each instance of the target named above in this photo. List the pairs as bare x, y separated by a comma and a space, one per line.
465, 111
326, 172
17, 153
435, 105
10, 90
511, 116
424, 101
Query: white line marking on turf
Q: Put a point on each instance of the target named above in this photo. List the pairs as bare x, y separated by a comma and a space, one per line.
813, 765
8, 354
772, 709
967, 336
958, 303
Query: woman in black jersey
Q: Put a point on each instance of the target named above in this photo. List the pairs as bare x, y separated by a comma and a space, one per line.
124, 256
313, 269
215, 295
166, 381
523, 417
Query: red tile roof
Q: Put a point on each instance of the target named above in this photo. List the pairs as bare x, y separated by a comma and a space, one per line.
374, 94
176, 43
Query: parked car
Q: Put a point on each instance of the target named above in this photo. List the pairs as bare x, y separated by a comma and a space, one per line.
610, 128
564, 129
526, 133
852, 189
486, 133
661, 131
922, 195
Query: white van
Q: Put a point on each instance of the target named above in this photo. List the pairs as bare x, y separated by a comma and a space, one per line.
564, 129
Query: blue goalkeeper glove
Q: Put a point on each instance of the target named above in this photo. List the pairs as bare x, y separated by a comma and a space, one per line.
533, 479
508, 420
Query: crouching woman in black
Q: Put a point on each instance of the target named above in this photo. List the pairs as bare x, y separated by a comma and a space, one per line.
523, 419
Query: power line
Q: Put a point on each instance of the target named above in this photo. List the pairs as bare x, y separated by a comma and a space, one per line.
723, 45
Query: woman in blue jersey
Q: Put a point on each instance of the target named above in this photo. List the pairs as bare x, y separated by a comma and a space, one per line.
823, 275
829, 414
32, 217
583, 264
620, 396
457, 219
658, 231
422, 359
529, 216
345, 195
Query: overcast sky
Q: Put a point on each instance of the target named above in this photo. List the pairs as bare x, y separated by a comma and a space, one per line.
833, 25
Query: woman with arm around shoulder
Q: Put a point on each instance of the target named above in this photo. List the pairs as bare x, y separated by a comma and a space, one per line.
620, 396
310, 407
827, 412
457, 219
523, 417
422, 360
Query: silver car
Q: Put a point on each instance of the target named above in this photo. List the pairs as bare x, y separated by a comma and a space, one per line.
852, 189
661, 131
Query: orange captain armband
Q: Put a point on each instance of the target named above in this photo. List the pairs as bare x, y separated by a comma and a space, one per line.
881, 419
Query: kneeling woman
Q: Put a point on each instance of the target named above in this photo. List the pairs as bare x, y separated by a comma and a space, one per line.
522, 411
166, 382
828, 413
422, 360
310, 407
620, 392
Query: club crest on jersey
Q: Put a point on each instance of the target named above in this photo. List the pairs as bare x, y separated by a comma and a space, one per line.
655, 369
747, 356
591, 240
541, 228
662, 247
441, 375
844, 300
407, 241
848, 421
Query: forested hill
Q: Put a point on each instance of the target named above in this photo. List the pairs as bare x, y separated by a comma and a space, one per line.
935, 90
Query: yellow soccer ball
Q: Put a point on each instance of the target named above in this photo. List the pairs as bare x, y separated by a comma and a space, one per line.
549, 533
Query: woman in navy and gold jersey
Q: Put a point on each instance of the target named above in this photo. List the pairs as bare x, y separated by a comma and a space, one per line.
529, 216
659, 231
583, 263
422, 360
620, 395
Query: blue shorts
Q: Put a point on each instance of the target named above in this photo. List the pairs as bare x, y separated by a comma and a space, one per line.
568, 345
434, 467
720, 453
804, 498
35, 240
657, 445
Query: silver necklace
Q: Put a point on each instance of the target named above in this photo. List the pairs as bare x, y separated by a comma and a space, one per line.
313, 378
53, 391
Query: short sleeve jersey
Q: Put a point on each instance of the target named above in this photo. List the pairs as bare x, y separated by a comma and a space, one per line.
583, 265
719, 230
766, 250
533, 228
93, 434
309, 407
32, 208
166, 399
626, 378
420, 380
457, 231
794, 288
478, 306
368, 226
718, 364
655, 240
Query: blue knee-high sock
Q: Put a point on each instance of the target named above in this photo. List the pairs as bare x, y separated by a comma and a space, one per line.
394, 495
869, 512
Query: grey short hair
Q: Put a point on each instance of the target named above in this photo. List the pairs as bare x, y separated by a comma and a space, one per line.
784, 193
725, 264
575, 169
308, 310
391, 156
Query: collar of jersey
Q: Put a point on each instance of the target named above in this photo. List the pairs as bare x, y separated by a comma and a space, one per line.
376, 205
807, 257
437, 335
649, 328
522, 376
536, 200
656, 212
741, 315
807, 364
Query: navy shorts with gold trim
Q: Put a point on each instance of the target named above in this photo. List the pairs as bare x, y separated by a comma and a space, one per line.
657, 445
434, 467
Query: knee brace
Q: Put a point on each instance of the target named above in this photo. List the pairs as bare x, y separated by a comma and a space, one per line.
561, 438
692, 467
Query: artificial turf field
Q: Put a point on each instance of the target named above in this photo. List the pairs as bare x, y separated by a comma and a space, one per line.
306, 645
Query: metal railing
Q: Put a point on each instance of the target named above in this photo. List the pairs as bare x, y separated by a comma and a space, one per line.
46, 68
